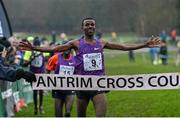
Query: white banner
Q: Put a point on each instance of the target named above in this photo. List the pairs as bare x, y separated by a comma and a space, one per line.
118, 82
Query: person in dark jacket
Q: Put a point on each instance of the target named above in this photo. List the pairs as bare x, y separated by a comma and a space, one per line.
8, 73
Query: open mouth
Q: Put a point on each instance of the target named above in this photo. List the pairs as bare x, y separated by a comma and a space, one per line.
90, 30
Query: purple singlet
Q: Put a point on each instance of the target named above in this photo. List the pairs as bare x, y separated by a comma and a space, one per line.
65, 67
90, 58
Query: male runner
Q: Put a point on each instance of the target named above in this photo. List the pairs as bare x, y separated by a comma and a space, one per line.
63, 64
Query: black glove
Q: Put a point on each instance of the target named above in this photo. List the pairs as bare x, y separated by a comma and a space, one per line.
28, 76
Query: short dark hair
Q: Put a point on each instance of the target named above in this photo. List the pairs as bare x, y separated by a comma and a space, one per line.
5, 42
1, 47
87, 18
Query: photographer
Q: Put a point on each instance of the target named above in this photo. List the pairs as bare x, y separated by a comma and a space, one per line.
8, 73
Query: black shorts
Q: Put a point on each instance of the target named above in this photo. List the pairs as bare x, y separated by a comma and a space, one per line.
61, 94
88, 94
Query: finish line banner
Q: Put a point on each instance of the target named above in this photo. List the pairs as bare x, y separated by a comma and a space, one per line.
118, 82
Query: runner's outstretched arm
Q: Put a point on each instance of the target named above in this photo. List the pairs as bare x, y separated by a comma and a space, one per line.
59, 48
153, 42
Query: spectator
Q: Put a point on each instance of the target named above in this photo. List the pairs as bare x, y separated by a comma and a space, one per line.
173, 37
36, 60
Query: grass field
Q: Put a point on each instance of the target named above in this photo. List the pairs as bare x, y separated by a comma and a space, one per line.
156, 103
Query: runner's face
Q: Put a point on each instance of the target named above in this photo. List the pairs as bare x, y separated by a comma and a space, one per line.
89, 27
66, 53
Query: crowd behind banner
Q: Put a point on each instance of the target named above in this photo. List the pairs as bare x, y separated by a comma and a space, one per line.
16, 95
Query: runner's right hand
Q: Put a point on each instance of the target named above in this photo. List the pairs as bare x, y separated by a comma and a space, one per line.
25, 45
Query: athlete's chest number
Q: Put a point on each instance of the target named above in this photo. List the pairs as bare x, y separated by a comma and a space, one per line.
67, 72
92, 61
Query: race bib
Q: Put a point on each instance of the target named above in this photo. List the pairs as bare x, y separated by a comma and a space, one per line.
37, 62
92, 61
66, 70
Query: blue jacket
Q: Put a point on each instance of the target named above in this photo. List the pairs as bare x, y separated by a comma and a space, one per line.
7, 73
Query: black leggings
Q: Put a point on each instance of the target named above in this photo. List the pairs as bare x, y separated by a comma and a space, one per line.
35, 98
